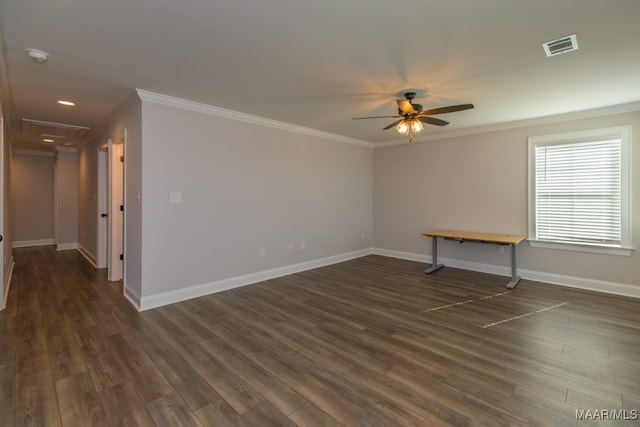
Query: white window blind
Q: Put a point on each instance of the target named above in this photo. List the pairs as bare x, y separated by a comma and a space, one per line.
578, 192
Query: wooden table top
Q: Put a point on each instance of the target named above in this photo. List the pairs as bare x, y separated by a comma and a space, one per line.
503, 239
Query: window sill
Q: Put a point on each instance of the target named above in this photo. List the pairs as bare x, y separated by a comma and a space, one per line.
606, 250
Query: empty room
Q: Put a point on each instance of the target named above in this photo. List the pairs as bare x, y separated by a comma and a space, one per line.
304, 213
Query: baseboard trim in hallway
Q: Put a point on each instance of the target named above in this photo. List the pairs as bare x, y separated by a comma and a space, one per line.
7, 284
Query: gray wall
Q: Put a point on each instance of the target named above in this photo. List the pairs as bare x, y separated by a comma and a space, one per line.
87, 200
67, 199
44, 188
479, 183
244, 187
32, 180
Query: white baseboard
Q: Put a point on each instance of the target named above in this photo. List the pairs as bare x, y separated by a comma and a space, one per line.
7, 284
29, 243
87, 255
616, 288
132, 297
165, 298
67, 246
409, 256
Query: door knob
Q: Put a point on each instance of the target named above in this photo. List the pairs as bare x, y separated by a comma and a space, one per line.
104, 215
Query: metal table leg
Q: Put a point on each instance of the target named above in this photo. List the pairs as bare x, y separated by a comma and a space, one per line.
514, 277
434, 257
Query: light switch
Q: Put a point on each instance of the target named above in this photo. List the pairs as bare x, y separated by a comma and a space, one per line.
175, 197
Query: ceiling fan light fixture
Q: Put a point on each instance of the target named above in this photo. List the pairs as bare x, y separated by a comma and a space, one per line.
412, 116
416, 126
403, 127
410, 127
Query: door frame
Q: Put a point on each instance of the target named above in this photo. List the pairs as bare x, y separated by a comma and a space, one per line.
102, 237
110, 198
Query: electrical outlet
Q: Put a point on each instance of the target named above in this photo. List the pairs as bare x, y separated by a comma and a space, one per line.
291, 248
175, 197
262, 252
501, 249
302, 246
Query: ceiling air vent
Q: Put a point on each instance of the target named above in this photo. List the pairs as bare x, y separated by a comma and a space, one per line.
561, 45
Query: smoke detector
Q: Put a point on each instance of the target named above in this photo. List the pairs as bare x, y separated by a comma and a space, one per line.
561, 45
37, 55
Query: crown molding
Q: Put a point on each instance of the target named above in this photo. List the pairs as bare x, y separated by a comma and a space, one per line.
243, 117
262, 121
556, 118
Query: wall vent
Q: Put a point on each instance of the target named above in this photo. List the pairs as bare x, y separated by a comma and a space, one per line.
561, 45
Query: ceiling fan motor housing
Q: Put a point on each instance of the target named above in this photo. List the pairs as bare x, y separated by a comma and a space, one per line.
410, 96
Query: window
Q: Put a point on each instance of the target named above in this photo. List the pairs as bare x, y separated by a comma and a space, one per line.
579, 190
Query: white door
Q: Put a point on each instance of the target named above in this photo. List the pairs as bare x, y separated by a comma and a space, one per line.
111, 207
116, 209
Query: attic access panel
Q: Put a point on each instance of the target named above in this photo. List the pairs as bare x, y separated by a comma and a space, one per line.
59, 132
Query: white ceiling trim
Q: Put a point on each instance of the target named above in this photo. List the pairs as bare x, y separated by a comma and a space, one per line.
248, 118
576, 115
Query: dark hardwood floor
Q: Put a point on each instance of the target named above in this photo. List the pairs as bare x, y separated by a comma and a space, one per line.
370, 342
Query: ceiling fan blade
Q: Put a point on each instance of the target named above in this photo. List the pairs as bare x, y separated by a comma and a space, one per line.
449, 109
375, 117
392, 124
432, 121
405, 107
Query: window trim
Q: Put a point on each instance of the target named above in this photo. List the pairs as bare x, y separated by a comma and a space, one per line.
624, 133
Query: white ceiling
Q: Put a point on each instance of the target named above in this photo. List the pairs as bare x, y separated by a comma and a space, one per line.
318, 64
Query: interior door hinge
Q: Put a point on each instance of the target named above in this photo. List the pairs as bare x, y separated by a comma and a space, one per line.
121, 159
121, 208
121, 257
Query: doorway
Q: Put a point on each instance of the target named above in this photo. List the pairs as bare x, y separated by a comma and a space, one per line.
110, 250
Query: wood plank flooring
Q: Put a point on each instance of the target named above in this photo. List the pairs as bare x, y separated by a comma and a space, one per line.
371, 342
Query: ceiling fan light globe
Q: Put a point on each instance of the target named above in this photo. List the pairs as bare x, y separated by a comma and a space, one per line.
416, 126
403, 128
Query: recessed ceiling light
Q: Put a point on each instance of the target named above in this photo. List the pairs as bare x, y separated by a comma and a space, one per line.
37, 55
67, 103
48, 140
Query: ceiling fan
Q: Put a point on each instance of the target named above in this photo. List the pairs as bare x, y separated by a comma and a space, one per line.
412, 117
